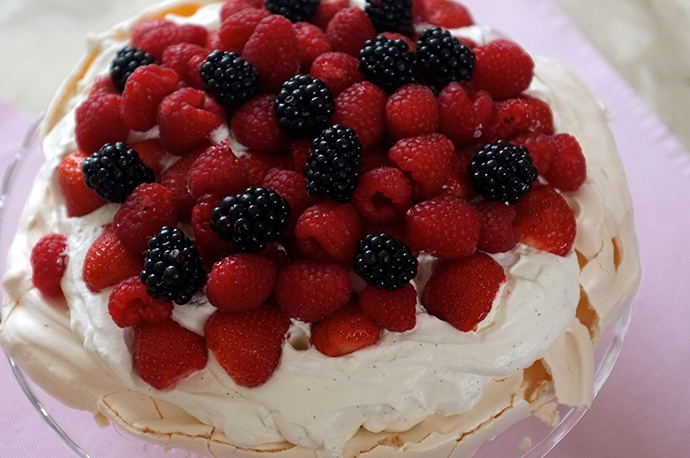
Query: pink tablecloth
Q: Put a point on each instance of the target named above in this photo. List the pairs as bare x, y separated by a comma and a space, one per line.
643, 409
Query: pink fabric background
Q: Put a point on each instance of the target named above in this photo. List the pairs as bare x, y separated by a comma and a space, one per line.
642, 411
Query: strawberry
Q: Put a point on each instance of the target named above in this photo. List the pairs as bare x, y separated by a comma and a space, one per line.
462, 292
166, 352
248, 344
546, 221
108, 262
343, 332
80, 200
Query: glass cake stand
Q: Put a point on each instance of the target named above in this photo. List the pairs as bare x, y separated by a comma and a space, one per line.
86, 439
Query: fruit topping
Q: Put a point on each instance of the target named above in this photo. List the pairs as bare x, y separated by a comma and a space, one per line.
129, 304
304, 106
80, 200
391, 15
568, 170
344, 332
295, 10
503, 69
312, 43
216, 171
255, 125
98, 122
383, 195
349, 29
108, 262
426, 158
441, 58
326, 10
157, 40
146, 88
337, 70
497, 234
449, 14
410, 111
177, 57
236, 29
542, 149
463, 119
211, 247
241, 282
503, 172
362, 108
385, 262
292, 187
392, 310
388, 63
48, 263
329, 231
229, 78
126, 61
175, 179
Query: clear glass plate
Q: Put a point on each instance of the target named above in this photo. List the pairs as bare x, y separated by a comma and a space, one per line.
86, 439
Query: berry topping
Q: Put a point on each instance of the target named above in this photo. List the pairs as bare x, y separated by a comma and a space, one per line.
463, 119
251, 220
48, 264
441, 58
312, 43
241, 282
151, 154
172, 270
80, 200
462, 292
362, 108
98, 122
542, 117
449, 14
304, 106
344, 332
145, 26
510, 117
329, 232
126, 61
388, 63
211, 247
310, 291
255, 125
144, 91
295, 10
412, 110
157, 40
392, 310
426, 157
568, 170
349, 29
166, 352
385, 262
332, 168
503, 172
292, 187
129, 305
178, 57
229, 78
503, 69
383, 195
114, 171
216, 171
175, 179
391, 15
236, 29
108, 262
326, 10
231, 7
542, 149
497, 234
256, 166
248, 344
337, 70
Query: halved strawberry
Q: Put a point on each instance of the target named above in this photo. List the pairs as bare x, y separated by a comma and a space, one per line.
109, 261
166, 352
546, 221
345, 331
80, 200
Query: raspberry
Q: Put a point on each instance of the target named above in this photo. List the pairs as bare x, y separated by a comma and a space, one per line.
542, 149
362, 108
291, 187
231, 7
497, 234
241, 282
503, 172
144, 27
463, 119
80, 200
177, 57
511, 117
255, 125
98, 122
151, 154
458, 181
129, 305
568, 171
448, 14
126, 61
194, 74
146, 210
392, 310
310, 291
419, 11
304, 106
216, 171
384, 261
503, 69
542, 117
375, 158
344, 332
104, 85
312, 42
295, 10
256, 166
388, 63
391, 15
329, 231
273, 50
299, 150
48, 264
236, 29
446, 227
412, 110
337, 70
326, 11
187, 118
156, 40
383, 196
175, 179
426, 158
349, 29
146, 87
443, 58
211, 246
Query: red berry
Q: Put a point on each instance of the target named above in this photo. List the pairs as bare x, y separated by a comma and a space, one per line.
362, 108
80, 200
510, 118
448, 14
410, 111
312, 42
503, 69
193, 75
462, 292
568, 170
375, 158
383, 195
546, 221
108, 262
256, 165
248, 344
542, 149
48, 264
178, 57
446, 227
255, 125
463, 119
278, 254
419, 11
344, 332
151, 154
542, 117
349, 29
166, 352
329, 231
326, 11
392, 310
129, 304
146, 87
426, 158
145, 26
273, 50
231, 7
236, 29
241, 282
98, 122
458, 181
299, 150
216, 171
337, 70
291, 187
497, 234
206, 239
187, 118
156, 40
310, 291
104, 85
175, 179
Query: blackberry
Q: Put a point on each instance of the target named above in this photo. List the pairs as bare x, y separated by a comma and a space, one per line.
387, 63
391, 15
126, 61
295, 10
332, 168
304, 106
441, 58
230, 79
385, 262
172, 270
251, 220
114, 171
503, 172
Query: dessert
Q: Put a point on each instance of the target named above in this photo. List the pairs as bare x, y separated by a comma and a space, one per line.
432, 382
